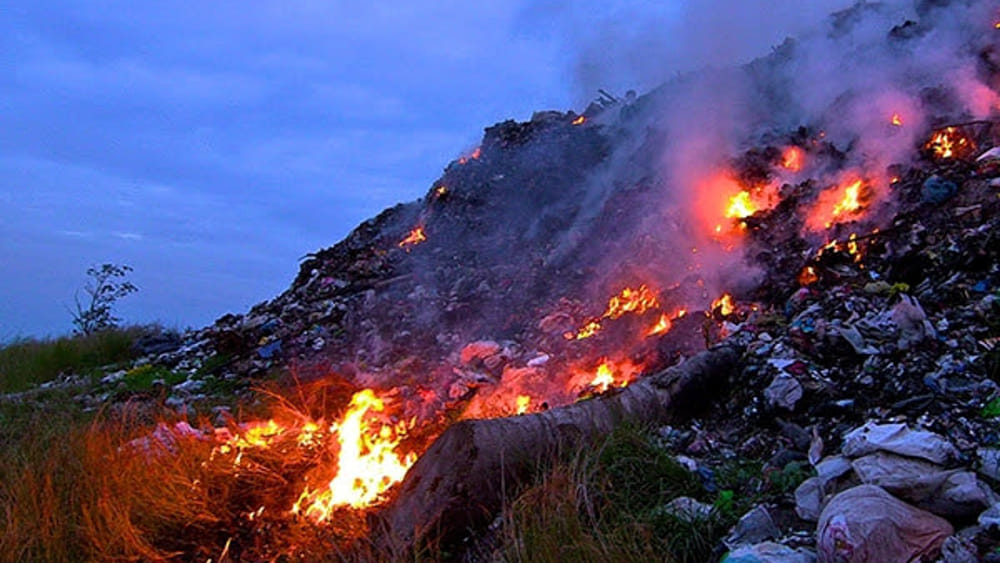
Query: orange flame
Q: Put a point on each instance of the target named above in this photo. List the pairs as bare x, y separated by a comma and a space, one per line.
897, 120
638, 301
836, 205
607, 375
367, 465
950, 142
665, 323
523, 402
792, 159
603, 378
580, 120
441, 191
724, 304
741, 206
415, 237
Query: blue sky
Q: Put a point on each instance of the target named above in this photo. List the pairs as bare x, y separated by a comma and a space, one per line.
211, 144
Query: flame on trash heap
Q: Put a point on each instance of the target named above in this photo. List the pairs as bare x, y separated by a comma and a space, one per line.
950, 142
365, 441
416, 236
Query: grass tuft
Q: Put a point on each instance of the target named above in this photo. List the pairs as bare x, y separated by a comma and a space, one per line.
607, 504
26, 363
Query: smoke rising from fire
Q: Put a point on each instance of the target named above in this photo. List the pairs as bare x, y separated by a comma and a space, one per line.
870, 79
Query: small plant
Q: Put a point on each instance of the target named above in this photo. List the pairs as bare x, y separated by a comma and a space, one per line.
106, 287
992, 409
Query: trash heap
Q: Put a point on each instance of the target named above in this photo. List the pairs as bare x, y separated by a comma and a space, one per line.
870, 361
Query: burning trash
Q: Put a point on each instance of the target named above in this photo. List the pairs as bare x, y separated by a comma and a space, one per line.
838, 205
793, 159
950, 143
478, 152
636, 301
415, 237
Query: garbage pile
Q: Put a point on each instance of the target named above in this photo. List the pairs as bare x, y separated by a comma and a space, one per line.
564, 258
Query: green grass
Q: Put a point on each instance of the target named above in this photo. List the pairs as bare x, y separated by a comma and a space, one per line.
141, 378
606, 504
26, 363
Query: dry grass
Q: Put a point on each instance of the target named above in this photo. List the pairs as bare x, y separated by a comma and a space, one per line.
103, 488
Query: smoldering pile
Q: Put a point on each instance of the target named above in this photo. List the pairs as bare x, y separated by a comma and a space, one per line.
830, 209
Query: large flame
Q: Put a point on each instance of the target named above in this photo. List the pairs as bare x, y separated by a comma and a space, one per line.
368, 464
741, 206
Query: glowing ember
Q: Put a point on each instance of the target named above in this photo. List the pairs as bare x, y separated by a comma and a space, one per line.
367, 465
441, 191
580, 120
523, 402
792, 159
415, 237
852, 247
950, 142
724, 304
808, 276
897, 120
474, 156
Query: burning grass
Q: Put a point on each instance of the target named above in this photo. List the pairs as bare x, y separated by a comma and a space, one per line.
109, 486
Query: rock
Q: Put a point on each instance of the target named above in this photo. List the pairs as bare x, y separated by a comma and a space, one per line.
809, 497
753, 527
768, 552
936, 190
956, 550
989, 463
945, 493
866, 524
990, 519
898, 439
784, 391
